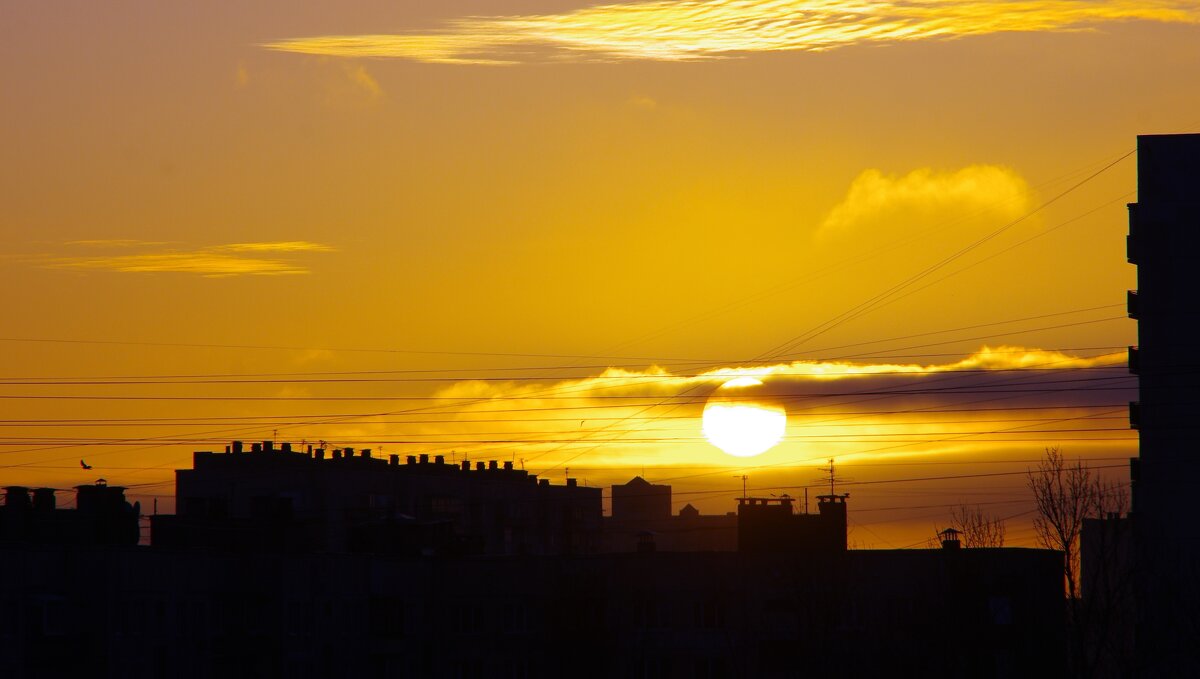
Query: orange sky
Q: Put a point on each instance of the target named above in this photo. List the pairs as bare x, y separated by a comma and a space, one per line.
468, 215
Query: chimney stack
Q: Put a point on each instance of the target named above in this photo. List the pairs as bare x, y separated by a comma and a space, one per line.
950, 539
43, 500
16, 497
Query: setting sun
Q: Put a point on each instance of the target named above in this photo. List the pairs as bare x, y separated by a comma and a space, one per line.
742, 428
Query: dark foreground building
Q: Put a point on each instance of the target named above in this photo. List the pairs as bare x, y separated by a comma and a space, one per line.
1164, 237
268, 497
294, 564
642, 519
142, 612
101, 516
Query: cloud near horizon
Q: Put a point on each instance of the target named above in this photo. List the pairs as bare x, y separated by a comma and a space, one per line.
686, 30
835, 408
217, 261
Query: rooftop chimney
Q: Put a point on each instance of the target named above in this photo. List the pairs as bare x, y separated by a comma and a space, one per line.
366, 452
16, 497
950, 539
508, 465
393, 460
439, 459
466, 465
571, 483
411, 459
287, 446
320, 453
237, 446
423, 458
269, 446
479, 466
493, 465
43, 499
348, 452
256, 447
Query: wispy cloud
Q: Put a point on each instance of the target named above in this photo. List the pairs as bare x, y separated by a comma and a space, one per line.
277, 246
364, 81
681, 30
214, 261
115, 243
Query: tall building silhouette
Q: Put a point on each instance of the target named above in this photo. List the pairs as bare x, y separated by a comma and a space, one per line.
1164, 238
272, 497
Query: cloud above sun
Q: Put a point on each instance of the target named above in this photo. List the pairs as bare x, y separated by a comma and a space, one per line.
685, 30
1000, 395
216, 261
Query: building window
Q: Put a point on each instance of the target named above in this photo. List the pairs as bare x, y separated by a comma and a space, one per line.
711, 668
710, 615
445, 506
648, 614
387, 617
515, 618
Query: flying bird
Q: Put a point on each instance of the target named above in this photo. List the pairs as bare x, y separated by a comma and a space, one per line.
84, 465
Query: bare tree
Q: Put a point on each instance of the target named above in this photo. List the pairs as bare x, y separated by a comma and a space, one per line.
977, 528
1065, 495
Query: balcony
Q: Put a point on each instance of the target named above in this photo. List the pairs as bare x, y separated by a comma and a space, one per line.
1131, 303
1131, 241
1134, 361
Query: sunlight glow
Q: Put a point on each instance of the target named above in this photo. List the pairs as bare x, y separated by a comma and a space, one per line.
742, 429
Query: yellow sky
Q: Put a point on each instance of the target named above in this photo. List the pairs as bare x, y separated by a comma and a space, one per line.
292, 198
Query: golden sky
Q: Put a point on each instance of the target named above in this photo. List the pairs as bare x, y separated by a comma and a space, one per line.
547, 231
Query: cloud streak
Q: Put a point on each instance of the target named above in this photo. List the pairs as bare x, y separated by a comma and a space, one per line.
218, 261
686, 30
997, 397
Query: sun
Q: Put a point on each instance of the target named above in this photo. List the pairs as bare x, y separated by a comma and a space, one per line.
739, 426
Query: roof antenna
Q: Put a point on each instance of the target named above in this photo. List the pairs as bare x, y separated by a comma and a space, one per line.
831, 477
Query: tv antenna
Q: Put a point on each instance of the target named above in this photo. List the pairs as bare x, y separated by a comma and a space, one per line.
743, 477
829, 475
